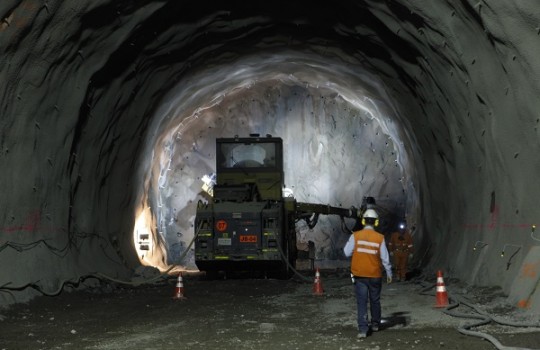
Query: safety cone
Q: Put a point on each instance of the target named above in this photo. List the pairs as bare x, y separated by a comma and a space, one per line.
441, 295
179, 290
317, 285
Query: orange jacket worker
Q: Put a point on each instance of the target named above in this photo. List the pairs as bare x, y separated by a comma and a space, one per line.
401, 248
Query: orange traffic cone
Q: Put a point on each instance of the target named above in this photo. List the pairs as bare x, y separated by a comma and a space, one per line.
317, 285
441, 295
179, 291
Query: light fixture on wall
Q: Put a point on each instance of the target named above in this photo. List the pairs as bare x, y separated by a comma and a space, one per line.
479, 244
533, 227
510, 245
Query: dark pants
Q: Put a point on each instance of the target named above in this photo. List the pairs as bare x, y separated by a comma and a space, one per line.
368, 288
400, 260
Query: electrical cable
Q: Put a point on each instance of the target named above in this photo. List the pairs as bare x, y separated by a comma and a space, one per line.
284, 258
49, 294
60, 252
97, 275
164, 273
484, 318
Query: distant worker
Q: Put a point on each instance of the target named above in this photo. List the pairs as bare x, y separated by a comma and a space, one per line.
401, 249
369, 252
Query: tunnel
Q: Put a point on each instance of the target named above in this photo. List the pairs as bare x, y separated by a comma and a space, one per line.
110, 112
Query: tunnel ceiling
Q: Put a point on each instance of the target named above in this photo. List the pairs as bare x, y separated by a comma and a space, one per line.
101, 98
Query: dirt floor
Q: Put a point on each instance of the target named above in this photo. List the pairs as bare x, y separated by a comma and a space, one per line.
242, 313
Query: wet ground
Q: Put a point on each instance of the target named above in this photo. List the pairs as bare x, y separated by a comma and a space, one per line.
249, 314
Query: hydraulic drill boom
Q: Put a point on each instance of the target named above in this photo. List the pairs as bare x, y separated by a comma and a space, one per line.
309, 208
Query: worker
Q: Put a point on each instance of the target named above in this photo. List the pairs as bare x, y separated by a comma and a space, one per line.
401, 249
368, 250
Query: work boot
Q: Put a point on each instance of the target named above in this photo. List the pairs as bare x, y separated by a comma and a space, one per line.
361, 335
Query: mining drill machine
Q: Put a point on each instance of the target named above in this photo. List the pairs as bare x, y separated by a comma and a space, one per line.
249, 224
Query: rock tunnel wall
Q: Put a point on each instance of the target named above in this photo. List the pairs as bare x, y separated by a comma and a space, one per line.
84, 84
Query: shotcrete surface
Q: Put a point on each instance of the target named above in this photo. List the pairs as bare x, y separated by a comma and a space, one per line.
249, 313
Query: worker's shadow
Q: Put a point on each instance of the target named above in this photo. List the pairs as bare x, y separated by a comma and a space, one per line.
395, 319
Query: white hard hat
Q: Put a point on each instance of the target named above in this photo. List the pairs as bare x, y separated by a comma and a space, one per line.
370, 213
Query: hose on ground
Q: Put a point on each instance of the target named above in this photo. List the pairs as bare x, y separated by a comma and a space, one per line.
483, 317
295, 271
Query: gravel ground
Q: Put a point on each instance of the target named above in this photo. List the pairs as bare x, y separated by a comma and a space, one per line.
246, 313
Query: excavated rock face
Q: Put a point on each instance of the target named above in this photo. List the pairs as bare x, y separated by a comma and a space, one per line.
110, 110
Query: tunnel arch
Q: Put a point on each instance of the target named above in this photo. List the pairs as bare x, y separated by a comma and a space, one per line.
81, 94
260, 81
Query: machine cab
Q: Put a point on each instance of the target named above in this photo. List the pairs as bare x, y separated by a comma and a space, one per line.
254, 162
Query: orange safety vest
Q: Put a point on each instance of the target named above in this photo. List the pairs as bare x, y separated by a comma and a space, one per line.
366, 257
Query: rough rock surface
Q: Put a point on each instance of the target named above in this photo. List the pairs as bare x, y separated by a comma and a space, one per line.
108, 113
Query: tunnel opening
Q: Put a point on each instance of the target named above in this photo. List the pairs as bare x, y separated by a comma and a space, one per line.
351, 130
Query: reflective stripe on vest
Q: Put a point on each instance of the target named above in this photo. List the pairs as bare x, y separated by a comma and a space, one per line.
369, 244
